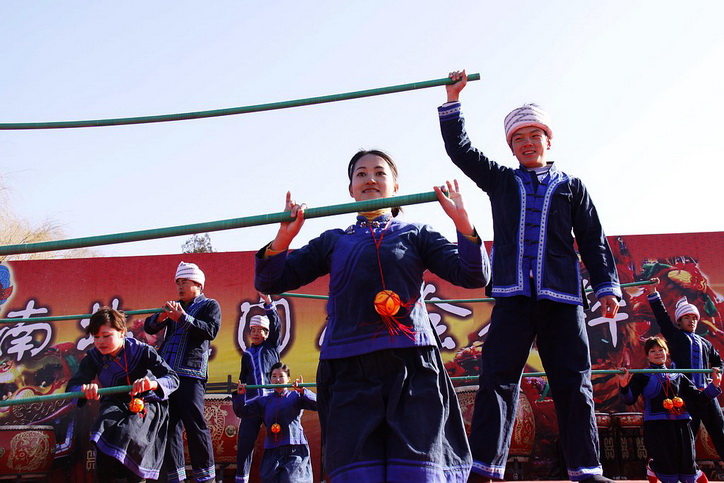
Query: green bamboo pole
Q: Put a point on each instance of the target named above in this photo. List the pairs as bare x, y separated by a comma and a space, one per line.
284, 294
131, 236
232, 110
62, 395
447, 301
53, 318
122, 389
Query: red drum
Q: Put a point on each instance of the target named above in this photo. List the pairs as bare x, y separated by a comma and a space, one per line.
521, 443
26, 451
223, 426
629, 428
607, 439
705, 449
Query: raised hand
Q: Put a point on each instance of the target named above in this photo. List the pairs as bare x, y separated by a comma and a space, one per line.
460, 79
454, 207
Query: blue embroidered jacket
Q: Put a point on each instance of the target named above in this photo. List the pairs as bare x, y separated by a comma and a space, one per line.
134, 361
285, 409
657, 387
356, 275
257, 360
534, 226
186, 344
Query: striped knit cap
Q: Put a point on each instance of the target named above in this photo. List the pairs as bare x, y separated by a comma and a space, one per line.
525, 116
190, 271
683, 307
259, 321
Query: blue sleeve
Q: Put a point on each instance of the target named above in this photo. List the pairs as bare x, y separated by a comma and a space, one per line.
465, 264
630, 393
308, 400
87, 372
476, 166
152, 326
592, 244
206, 324
275, 325
242, 407
291, 270
166, 377
666, 325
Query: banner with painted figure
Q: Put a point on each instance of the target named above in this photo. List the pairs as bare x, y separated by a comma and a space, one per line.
38, 357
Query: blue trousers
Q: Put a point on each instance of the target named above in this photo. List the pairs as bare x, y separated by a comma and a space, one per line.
248, 432
562, 343
186, 410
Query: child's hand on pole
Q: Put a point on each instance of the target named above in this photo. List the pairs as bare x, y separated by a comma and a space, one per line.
716, 377
624, 378
299, 380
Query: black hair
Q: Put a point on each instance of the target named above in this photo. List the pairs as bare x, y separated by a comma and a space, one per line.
106, 315
655, 341
282, 366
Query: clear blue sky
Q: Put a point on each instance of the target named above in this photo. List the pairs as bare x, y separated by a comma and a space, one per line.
634, 89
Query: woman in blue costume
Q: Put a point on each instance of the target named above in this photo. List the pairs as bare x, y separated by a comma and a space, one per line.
130, 432
667, 435
286, 450
387, 407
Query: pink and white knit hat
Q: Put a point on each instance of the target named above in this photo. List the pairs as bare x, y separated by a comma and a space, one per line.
525, 116
190, 271
683, 307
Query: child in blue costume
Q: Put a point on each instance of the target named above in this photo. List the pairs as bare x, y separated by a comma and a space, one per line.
667, 435
256, 364
129, 445
537, 287
387, 408
286, 450
690, 351
190, 324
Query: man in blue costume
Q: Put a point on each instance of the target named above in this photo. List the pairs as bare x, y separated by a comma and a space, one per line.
191, 323
537, 287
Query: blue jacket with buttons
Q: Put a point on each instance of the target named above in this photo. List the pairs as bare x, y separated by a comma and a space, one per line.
534, 227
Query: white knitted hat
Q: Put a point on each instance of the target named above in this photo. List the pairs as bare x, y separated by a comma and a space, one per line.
683, 307
190, 271
525, 116
259, 321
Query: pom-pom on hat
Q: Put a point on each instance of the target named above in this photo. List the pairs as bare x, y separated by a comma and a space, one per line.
259, 321
683, 307
525, 116
190, 271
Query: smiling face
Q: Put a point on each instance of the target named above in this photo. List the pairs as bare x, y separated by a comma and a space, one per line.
279, 376
688, 322
187, 289
372, 178
529, 145
108, 340
657, 355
